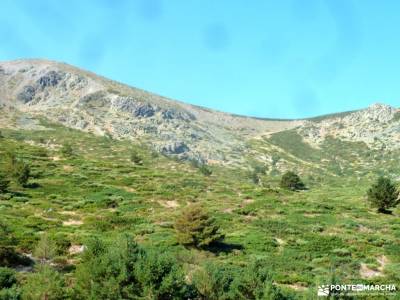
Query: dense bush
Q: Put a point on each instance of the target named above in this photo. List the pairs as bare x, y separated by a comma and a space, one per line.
12, 293
8, 256
45, 249
22, 172
44, 283
161, 277
7, 278
202, 166
136, 158
18, 169
194, 227
383, 194
67, 150
205, 170
258, 170
213, 281
291, 181
123, 270
222, 282
4, 183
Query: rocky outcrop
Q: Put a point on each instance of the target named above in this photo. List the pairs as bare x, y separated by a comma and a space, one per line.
85, 101
134, 107
177, 147
370, 125
27, 94
51, 79
170, 114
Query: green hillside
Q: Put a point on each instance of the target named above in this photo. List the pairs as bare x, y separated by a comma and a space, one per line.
106, 190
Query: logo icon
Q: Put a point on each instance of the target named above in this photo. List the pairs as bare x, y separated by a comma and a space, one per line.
323, 290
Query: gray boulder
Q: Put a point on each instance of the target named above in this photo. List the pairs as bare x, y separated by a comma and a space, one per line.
51, 78
136, 108
170, 114
177, 147
27, 94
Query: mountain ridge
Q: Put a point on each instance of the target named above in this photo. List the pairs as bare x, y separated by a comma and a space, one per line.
83, 100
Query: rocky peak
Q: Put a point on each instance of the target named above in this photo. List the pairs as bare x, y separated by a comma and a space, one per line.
377, 112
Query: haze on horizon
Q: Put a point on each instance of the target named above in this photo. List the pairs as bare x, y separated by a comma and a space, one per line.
286, 59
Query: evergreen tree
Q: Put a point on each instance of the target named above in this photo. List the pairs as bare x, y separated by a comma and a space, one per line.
383, 194
135, 157
21, 172
196, 228
44, 283
205, 170
18, 169
123, 270
44, 250
291, 181
67, 150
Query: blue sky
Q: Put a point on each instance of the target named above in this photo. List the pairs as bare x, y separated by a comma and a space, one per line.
276, 58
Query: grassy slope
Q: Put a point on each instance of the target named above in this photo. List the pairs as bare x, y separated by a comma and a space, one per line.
303, 236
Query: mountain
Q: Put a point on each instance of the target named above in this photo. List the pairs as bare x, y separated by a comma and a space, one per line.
103, 211
33, 90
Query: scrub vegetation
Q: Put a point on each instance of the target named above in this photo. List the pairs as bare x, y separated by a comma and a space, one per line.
88, 217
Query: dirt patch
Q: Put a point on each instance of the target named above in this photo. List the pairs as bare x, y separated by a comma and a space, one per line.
382, 260
72, 223
311, 215
76, 249
56, 158
364, 229
294, 286
248, 201
367, 272
69, 213
169, 204
68, 168
127, 188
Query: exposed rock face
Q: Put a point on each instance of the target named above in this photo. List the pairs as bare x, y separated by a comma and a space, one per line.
134, 107
372, 126
376, 113
27, 94
52, 78
178, 147
82, 100
170, 114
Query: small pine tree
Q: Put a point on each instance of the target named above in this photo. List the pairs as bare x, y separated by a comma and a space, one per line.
205, 170
383, 194
21, 172
4, 183
202, 166
67, 150
196, 228
257, 172
135, 157
44, 283
291, 181
1, 135
44, 250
